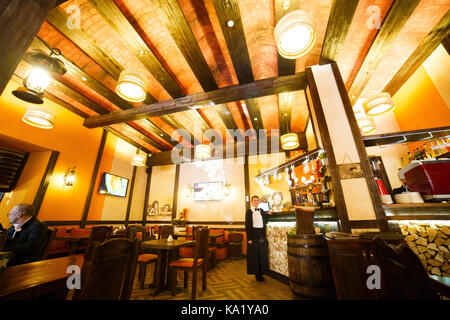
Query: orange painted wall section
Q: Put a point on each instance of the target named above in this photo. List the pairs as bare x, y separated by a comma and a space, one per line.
78, 146
98, 200
418, 104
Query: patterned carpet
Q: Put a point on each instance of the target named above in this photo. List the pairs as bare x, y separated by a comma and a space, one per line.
227, 281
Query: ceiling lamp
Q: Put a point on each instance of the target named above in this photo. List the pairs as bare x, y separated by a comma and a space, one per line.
39, 117
289, 141
294, 35
38, 77
138, 160
131, 86
203, 151
366, 124
378, 104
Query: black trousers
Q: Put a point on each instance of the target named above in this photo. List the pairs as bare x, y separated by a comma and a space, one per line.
257, 257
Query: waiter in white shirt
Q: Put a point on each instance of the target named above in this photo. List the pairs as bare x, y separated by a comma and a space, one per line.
257, 252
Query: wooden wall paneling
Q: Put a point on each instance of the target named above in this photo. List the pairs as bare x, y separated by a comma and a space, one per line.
365, 164
45, 181
98, 160
326, 141
249, 91
147, 194
20, 21
130, 195
438, 35
175, 192
341, 16
395, 19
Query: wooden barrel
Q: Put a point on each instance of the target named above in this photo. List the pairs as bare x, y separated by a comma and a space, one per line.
309, 267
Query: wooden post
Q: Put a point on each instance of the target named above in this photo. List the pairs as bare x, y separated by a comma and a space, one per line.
20, 21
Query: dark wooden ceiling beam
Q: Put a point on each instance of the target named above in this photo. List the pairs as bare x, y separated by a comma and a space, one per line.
341, 16
446, 44
173, 17
165, 158
439, 33
129, 140
20, 21
396, 18
237, 46
259, 88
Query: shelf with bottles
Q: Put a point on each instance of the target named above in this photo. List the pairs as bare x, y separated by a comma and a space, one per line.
436, 148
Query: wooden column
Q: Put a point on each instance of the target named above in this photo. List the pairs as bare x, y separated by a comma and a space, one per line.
20, 21
130, 196
247, 183
45, 181
147, 194
355, 192
175, 192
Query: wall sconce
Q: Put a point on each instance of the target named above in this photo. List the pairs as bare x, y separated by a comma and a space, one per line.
226, 189
189, 191
38, 78
69, 177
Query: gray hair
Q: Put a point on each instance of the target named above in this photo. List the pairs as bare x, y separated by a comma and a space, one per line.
25, 208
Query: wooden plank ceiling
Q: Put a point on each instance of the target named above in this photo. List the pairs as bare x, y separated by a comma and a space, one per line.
186, 47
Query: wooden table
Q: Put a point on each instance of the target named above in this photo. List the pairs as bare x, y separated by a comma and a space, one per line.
34, 279
163, 247
214, 238
73, 241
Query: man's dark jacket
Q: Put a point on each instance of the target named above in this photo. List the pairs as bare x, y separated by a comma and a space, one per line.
29, 243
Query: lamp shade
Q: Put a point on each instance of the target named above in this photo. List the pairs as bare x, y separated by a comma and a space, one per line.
138, 160
378, 104
39, 117
366, 124
131, 86
202, 151
294, 35
289, 141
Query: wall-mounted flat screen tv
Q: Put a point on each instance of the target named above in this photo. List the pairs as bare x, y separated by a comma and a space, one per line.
113, 185
208, 191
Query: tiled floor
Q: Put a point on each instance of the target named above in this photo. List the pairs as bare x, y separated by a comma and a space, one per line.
227, 281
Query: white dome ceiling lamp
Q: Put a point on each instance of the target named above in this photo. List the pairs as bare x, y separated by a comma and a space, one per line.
39, 117
294, 35
378, 104
289, 141
131, 86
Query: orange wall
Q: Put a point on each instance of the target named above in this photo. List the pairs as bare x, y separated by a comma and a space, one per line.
419, 105
78, 146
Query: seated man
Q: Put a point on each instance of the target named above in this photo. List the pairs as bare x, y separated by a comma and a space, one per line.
27, 236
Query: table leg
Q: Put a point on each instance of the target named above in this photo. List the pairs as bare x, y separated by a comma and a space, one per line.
160, 281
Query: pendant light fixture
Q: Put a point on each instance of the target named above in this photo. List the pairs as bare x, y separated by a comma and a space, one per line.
138, 160
38, 77
294, 35
39, 117
203, 151
131, 86
289, 141
366, 124
378, 104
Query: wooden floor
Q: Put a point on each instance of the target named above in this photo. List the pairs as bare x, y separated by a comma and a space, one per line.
227, 281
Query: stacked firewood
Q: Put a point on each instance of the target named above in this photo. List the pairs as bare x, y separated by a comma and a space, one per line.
431, 244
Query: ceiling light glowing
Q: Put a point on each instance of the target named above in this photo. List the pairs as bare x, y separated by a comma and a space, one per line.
39, 117
289, 141
131, 86
378, 104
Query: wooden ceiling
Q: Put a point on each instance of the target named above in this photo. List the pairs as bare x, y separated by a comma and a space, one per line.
186, 47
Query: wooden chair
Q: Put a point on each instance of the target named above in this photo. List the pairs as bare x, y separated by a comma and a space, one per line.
100, 233
139, 232
108, 270
3, 238
165, 231
199, 260
48, 245
405, 277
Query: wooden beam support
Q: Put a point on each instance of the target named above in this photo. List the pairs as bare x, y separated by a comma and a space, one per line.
395, 19
45, 181
98, 160
259, 88
341, 16
130, 195
249, 147
147, 193
439, 34
20, 21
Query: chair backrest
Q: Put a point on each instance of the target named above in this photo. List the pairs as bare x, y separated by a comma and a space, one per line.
48, 245
201, 244
405, 276
137, 232
165, 231
108, 270
100, 234
2, 240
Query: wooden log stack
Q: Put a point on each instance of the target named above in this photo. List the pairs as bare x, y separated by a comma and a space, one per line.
431, 243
